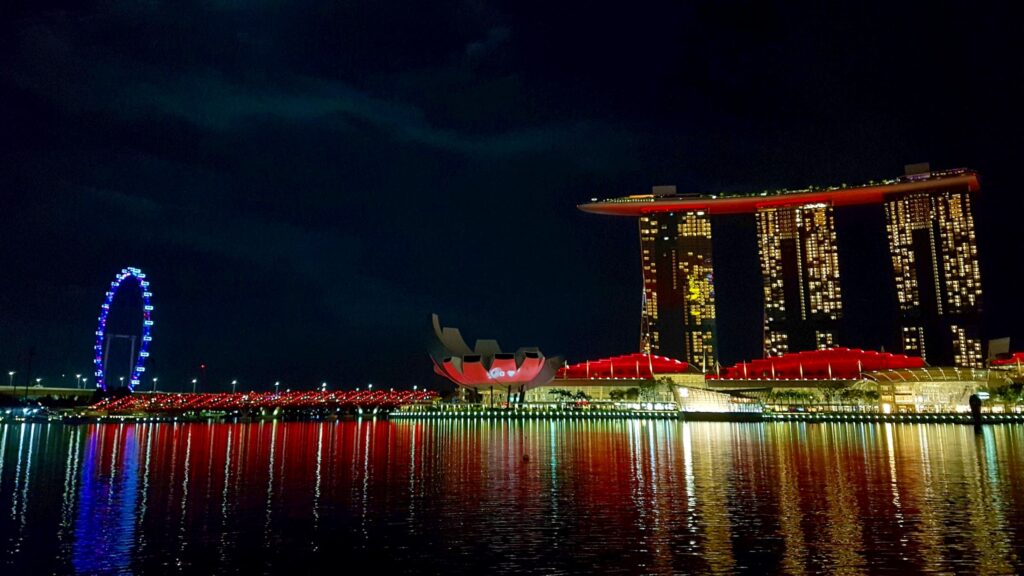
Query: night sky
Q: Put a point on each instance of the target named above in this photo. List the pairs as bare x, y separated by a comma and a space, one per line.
305, 182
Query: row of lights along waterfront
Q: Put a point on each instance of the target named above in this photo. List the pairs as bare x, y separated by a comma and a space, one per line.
195, 381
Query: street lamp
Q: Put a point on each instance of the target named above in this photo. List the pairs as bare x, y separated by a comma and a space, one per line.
415, 387
194, 385
277, 387
370, 386
121, 378
233, 384
323, 387
78, 381
10, 376
154, 384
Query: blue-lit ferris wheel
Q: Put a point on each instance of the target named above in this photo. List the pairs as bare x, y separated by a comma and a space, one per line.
102, 348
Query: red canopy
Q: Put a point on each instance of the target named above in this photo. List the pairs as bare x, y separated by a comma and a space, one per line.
638, 366
831, 364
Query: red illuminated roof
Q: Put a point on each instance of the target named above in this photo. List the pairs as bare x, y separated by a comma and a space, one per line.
485, 364
747, 203
1017, 359
630, 366
469, 370
831, 364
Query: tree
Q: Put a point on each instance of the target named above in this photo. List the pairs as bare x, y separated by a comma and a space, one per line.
651, 389
797, 397
831, 395
561, 393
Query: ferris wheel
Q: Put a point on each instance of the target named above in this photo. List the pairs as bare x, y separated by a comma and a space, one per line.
139, 342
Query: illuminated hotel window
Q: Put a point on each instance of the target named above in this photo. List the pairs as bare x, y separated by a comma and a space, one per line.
931, 239
678, 315
797, 247
933, 258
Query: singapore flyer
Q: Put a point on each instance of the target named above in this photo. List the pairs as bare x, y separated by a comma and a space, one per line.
138, 337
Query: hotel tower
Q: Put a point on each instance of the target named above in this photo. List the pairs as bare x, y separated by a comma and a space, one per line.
800, 277
677, 317
937, 275
933, 252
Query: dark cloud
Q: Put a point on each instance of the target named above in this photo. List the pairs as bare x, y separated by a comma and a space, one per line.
305, 182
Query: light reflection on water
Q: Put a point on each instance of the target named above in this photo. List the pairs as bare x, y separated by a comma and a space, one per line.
531, 496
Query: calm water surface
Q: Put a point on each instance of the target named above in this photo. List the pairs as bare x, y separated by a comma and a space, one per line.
535, 496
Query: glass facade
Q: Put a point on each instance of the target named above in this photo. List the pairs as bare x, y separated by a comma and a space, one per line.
800, 277
937, 275
678, 308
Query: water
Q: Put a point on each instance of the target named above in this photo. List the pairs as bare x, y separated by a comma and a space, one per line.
511, 497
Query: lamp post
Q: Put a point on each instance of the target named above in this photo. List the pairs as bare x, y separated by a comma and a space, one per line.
121, 378
154, 384
78, 381
10, 378
234, 383
194, 380
277, 387
323, 386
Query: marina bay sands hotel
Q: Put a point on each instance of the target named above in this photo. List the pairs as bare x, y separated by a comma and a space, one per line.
934, 265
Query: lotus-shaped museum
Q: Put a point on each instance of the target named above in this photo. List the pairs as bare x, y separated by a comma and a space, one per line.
485, 365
